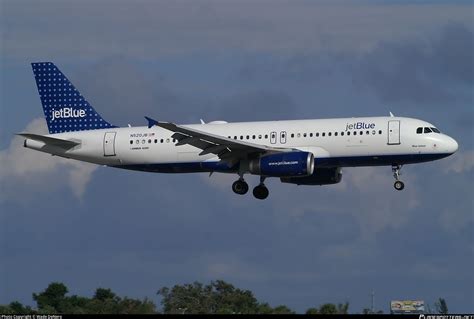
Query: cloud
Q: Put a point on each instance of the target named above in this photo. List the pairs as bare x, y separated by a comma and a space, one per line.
179, 27
461, 162
423, 70
25, 173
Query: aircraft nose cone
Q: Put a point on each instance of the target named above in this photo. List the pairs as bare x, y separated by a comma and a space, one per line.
452, 145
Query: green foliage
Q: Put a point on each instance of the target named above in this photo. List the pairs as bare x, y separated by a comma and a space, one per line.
51, 296
53, 300
218, 297
329, 308
15, 307
441, 306
282, 309
312, 311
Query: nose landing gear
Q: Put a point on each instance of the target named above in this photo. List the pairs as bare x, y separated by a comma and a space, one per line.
399, 185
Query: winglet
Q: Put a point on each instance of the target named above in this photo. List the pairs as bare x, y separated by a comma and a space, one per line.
151, 122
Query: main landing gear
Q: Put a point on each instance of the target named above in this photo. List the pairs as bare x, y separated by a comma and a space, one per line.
241, 187
399, 185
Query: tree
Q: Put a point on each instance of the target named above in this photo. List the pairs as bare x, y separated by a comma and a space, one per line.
327, 309
282, 309
103, 294
441, 306
312, 311
216, 297
51, 296
343, 308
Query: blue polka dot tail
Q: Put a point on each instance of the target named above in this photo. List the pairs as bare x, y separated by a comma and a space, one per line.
65, 109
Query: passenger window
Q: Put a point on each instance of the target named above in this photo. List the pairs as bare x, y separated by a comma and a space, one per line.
324, 134
427, 130
380, 132
235, 137
167, 140
292, 135
329, 134
360, 133
149, 141
335, 133
298, 135
156, 141
373, 132
317, 134
131, 141
349, 133
260, 136
161, 141
253, 137
419, 130
342, 133
367, 132
241, 137
310, 134
304, 135
266, 136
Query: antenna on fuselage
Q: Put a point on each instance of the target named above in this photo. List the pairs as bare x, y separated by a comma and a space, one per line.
391, 114
202, 121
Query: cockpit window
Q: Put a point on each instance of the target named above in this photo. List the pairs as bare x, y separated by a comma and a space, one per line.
427, 130
434, 129
419, 130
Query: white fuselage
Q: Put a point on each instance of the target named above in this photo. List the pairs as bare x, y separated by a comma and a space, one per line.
369, 141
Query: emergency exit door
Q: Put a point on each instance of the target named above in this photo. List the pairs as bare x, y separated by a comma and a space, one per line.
393, 132
109, 144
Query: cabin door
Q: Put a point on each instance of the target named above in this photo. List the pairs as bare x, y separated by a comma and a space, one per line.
109, 144
393, 132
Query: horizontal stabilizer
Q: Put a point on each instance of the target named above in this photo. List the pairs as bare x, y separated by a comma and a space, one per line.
50, 140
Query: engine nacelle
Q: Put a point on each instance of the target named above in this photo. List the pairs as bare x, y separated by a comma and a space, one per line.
320, 176
287, 164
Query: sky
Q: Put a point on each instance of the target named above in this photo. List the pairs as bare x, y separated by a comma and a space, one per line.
182, 61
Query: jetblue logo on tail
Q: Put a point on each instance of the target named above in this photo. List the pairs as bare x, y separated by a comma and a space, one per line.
67, 112
65, 109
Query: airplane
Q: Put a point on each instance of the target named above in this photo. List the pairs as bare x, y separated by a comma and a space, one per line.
300, 152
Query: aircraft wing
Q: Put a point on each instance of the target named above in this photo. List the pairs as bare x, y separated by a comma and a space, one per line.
50, 140
228, 150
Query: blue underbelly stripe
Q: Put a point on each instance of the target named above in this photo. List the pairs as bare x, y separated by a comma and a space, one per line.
347, 161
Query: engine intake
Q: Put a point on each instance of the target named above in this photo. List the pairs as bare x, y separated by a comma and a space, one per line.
320, 176
286, 164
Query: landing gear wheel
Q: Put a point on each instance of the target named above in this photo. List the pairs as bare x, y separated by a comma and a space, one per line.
260, 191
399, 185
396, 173
240, 187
